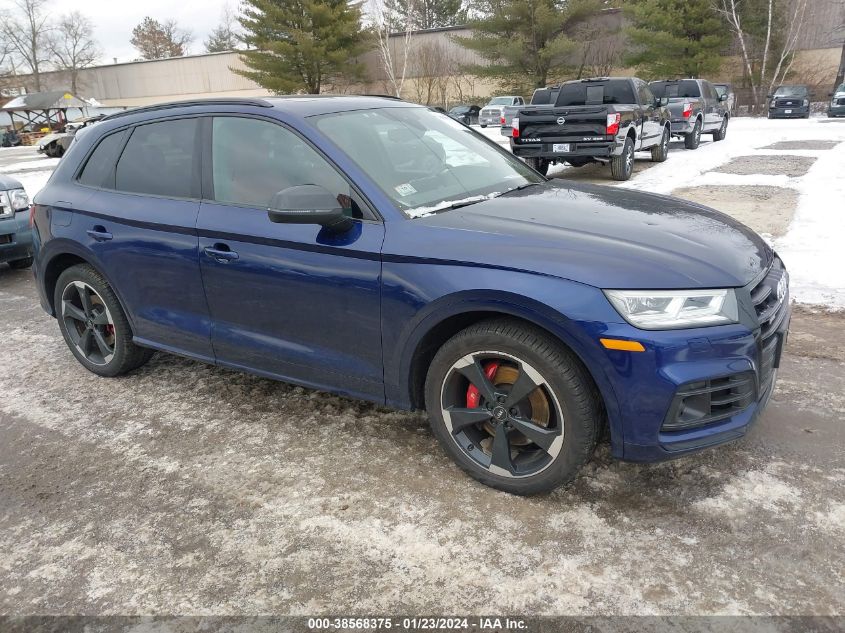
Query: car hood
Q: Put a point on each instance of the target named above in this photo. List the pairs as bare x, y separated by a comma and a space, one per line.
608, 237
46, 140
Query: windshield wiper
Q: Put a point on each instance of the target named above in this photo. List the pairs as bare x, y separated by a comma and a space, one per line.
519, 188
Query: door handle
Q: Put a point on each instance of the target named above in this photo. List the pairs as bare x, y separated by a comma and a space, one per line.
220, 253
99, 234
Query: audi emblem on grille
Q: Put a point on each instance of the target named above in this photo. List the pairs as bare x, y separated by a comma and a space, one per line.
782, 284
561, 120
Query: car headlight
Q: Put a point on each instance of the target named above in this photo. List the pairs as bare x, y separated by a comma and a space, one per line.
671, 309
18, 199
806, 102
773, 103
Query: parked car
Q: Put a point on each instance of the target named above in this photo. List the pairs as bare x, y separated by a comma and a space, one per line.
466, 114
837, 102
15, 234
376, 249
56, 144
541, 96
727, 89
696, 109
492, 112
11, 138
789, 102
594, 120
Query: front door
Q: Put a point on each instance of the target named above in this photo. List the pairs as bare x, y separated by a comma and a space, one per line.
291, 301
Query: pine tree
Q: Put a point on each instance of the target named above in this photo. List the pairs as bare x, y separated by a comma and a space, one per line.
675, 38
427, 14
223, 37
526, 42
302, 44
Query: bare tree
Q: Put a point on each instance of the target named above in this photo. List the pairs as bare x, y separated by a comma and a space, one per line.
430, 81
394, 63
72, 45
26, 30
160, 40
756, 54
225, 36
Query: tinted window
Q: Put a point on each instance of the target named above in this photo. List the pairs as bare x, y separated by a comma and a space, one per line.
675, 89
541, 96
594, 93
99, 170
253, 160
159, 159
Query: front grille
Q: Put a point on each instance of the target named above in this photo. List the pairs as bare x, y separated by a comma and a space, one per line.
698, 404
840, 101
788, 103
771, 310
489, 113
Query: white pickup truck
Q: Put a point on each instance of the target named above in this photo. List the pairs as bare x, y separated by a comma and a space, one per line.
491, 114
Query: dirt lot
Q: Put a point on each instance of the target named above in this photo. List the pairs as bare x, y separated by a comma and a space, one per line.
184, 488
791, 166
189, 489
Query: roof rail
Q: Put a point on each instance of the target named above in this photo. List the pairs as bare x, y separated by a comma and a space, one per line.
261, 103
394, 97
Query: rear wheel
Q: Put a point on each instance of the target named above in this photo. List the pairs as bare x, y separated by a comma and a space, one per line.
20, 264
660, 152
722, 132
512, 407
622, 166
539, 164
693, 139
94, 325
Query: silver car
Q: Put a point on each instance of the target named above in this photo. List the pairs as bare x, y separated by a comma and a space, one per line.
491, 114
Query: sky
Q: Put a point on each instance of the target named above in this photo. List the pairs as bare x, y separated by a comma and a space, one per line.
115, 19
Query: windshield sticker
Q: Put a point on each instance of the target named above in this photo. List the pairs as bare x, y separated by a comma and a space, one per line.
405, 189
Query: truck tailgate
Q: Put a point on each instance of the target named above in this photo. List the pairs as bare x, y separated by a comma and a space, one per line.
578, 123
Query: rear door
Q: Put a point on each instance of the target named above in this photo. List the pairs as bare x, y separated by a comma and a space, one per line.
652, 128
139, 223
293, 301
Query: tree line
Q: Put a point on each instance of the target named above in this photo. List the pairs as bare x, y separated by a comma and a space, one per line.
309, 45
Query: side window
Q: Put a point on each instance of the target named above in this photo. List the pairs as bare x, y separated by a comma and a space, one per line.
252, 160
99, 170
159, 159
645, 93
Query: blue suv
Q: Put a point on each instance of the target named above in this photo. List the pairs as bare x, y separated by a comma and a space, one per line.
380, 250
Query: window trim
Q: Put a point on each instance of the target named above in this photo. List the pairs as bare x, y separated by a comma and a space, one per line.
113, 172
207, 184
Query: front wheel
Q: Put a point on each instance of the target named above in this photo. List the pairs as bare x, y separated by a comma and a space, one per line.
622, 166
722, 132
512, 407
693, 139
94, 325
660, 152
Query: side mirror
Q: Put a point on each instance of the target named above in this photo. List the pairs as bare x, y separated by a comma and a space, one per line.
768, 96
829, 94
661, 101
308, 204
723, 97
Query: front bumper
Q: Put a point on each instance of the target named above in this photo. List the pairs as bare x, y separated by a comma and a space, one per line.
653, 416
15, 237
490, 120
836, 110
796, 112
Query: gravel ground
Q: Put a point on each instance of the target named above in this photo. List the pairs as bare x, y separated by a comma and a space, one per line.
185, 488
792, 166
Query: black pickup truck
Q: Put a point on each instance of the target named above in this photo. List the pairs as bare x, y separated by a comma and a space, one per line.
593, 120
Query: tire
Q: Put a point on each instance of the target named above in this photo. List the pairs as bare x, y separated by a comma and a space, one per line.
807, 116
660, 152
482, 125
21, 264
693, 139
538, 164
622, 166
566, 406
107, 349
722, 132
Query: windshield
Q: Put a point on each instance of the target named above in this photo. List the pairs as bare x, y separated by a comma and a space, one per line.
675, 89
423, 161
841, 88
459, 109
791, 91
501, 101
720, 89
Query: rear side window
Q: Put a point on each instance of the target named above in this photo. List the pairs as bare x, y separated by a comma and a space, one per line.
593, 93
675, 89
159, 159
99, 170
541, 96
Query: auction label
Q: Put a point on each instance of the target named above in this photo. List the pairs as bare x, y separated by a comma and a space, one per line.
437, 623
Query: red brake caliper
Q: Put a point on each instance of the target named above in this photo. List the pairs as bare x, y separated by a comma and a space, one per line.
473, 395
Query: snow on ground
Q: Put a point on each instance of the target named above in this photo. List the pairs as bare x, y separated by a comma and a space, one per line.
812, 245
